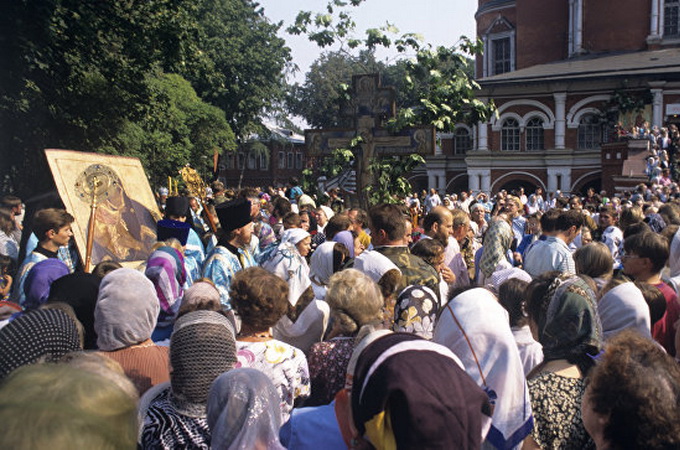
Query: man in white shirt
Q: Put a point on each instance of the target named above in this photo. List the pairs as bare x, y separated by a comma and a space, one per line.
432, 200
553, 253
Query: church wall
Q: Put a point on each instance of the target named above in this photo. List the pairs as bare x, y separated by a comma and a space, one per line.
542, 31
599, 35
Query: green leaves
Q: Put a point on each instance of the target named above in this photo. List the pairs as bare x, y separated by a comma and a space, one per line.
390, 185
94, 76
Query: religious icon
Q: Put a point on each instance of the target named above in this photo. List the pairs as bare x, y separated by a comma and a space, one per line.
124, 225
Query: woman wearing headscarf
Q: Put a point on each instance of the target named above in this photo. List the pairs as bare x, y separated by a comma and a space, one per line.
243, 412
346, 238
124, 318
475, 327
79, 290
175, 416
409, 393
327, 259
563, 318
386, 275
624, 307
416, 311
355, 300
497, 242
39, 280
306, 320
43, 335
289, 263
165, 269
261, 299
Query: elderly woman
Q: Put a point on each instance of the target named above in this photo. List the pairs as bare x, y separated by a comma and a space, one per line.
411, 393
174, 415
416, 311
43, 335
623, 307
632, 398
475, 327
386, 275
261, 299
40, 279
563, 319
243, 411
355, 301
165, 269
494, 252
124, 318
63, 406
79, 290
289, 263
327, 259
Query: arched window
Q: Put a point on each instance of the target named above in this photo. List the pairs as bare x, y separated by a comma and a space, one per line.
589, 132
534, 134
510, 135
462, 142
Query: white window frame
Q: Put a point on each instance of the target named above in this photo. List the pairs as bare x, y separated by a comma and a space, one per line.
529, 129
516, 135
488, 38
282, 160
668, 7
264, 161
290, 161
298, 160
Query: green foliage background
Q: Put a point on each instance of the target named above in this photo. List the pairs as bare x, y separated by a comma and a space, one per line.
169, 81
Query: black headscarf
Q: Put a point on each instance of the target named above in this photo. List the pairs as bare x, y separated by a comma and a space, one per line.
79, 290
413, 393
43, 335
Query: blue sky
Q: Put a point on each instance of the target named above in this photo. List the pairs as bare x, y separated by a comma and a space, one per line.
440, 22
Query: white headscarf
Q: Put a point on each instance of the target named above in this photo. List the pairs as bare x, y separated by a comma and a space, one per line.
479, 334
293, 236
321, 268
374, 264
624, 307
308, 329
289, 265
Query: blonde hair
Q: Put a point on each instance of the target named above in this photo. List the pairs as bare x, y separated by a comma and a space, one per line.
355, 300
63, 407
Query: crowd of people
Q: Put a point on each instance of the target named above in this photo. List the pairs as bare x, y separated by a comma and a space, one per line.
438, 321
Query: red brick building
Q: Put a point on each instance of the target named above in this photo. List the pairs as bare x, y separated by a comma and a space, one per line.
285, 157
555, 69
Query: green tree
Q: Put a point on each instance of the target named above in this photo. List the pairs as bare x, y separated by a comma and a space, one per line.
178, 128
436, 85
327, 85
84, 75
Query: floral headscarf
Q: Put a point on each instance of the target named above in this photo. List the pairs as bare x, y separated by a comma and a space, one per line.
416, 311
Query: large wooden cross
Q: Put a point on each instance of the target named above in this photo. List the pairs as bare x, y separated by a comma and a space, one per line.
371, 106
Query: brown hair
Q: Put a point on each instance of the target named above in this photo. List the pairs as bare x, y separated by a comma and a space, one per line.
259, 297
291, 220
50, 219
390, 219
636, 385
